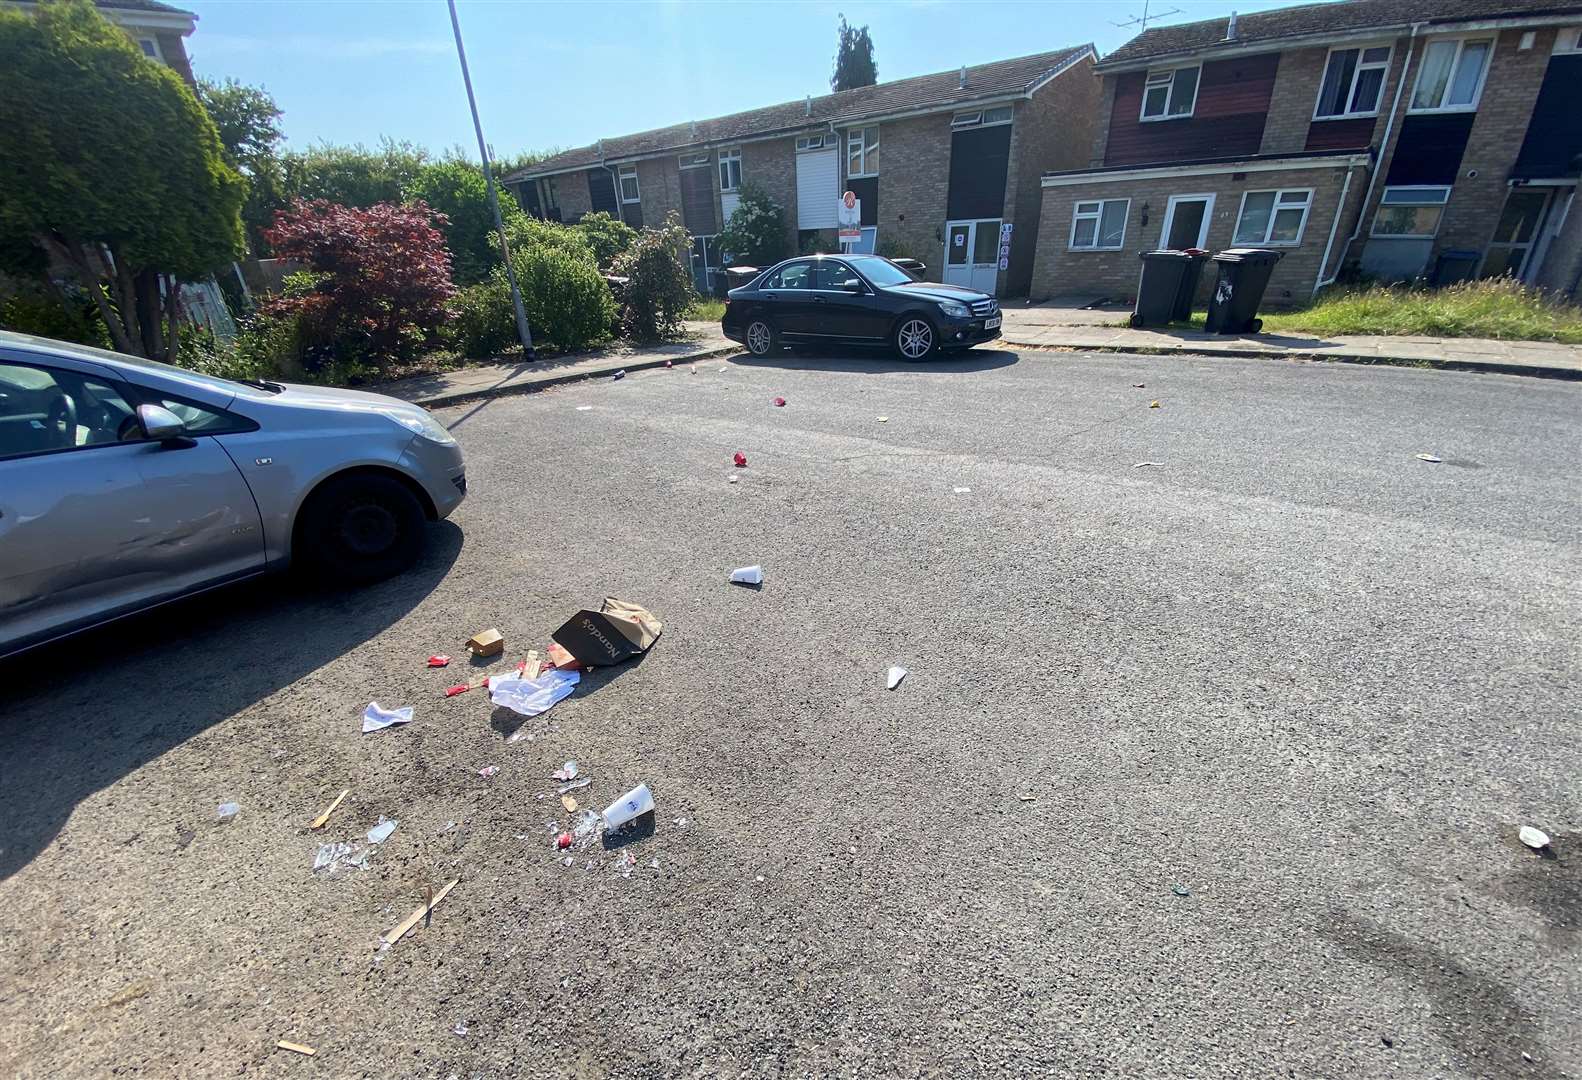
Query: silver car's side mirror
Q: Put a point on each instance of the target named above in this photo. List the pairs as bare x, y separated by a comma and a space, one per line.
159, 423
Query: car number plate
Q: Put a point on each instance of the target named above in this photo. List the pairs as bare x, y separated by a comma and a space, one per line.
992, 324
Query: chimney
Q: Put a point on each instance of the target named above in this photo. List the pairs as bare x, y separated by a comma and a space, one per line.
963, 82
600, 146
807, 106
694, 129
1230, 28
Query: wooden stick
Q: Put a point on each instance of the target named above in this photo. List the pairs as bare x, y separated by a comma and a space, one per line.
324, 818
534, 666
296, 1048
395, 935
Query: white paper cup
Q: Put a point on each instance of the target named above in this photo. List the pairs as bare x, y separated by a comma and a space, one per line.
629, 807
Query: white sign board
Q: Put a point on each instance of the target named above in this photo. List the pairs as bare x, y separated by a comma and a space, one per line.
848, 211
1005, 232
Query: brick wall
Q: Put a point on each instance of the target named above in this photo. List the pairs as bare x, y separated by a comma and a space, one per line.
1291, 104
1052, 131
771, 165
659, 184
1059, 270
914, 178
1101, 134
575, 197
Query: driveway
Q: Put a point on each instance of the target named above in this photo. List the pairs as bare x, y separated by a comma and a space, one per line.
1212, 767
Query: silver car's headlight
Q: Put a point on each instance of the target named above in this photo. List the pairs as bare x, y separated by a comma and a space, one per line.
954, 310
424, 425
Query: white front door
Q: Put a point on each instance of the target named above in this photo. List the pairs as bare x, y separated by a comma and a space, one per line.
971, 254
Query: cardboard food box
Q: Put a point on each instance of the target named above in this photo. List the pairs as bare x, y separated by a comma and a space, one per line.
618, 631
488, 642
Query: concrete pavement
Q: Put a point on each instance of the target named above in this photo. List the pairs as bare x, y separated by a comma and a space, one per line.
1210, 768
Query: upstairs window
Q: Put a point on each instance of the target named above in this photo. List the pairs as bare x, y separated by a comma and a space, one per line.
1170, 95
1353, 83
862, 152
730, 169
1000, 114
1450, 78
629, 190
150, 47
693, 161
812, 142
1273, 218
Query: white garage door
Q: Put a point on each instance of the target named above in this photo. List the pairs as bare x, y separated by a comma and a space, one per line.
817, 189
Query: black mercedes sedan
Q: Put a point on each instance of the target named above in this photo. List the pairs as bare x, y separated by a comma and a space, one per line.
856, 300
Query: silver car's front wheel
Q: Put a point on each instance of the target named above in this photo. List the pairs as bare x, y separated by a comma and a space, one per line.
914, 339
760, 338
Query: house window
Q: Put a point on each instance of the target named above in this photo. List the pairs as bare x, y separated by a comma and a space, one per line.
1410, 211
150, 47
812, 142
693, 161
1000, 114
1099, 225
549, 196
730, 169
629, 189
1273, 218
862, 152
1450, 78
1170, 95
1353, 83
1569, 40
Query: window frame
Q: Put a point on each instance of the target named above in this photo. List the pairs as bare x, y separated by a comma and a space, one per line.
806, 144
128, 394
1208, 198
1170, 73
979, 117
157, 52
693, 161
1097, 217
624, 173
1373, 226
1351, 90
724, 159
779, 270
857, 140
1568, 40
1461, 43
1274, 210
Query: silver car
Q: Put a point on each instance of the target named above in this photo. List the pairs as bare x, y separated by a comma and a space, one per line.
125, 483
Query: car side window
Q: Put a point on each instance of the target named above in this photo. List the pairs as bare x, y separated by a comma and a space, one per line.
834, 275
201, 419
795, 276
45, 409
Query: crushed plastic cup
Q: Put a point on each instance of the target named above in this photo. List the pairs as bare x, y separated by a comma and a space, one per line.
629, 807
741, 460
381, 832
1533, 838
568, 771
619, 375
228, 810
488, 770
748, 575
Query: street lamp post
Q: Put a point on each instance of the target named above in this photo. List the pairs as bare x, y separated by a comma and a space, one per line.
494, 199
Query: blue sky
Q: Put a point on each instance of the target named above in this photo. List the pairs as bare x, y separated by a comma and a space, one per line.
564, 74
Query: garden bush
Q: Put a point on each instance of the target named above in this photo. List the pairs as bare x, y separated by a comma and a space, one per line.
51, 315
568, 305
659, 283
756, 232
526, 232
607, 236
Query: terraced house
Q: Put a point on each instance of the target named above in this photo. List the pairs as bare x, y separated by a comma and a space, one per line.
945, 167
1393, 138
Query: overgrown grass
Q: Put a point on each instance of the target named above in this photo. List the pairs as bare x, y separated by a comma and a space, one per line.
1501, 308
706, 309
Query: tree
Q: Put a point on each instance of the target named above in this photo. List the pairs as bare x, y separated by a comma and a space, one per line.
353, 175
113, 167
456, 189
854, 64
659, 284
382, 274
248, 123
756, 232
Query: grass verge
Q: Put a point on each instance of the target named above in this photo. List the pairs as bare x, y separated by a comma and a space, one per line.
1503, 309
706, 310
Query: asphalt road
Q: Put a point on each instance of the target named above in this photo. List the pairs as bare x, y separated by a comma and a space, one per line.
1210, 768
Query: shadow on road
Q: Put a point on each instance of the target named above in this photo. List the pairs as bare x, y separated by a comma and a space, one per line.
875, 361
80, 714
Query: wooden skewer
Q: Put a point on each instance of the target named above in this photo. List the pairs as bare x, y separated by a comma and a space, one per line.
395, 935
296, 1048
324, 818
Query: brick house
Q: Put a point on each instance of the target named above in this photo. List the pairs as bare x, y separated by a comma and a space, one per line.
159, 29
1399, 139
942, 165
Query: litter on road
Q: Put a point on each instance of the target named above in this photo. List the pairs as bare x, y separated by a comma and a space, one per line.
780, 402
376, 717
618, 376
1533, 838
324, 818
882, 419
962, 491
459, 688
488, 642
569, 803
228, 810
400, 930
1429, 458
295, 1048
1146, 464
574, 785
1138, 386
560, 658
584, 408
748, 575
1180, 890
529, 697
740, 459
629, 807
488, 770
618, 631
438, 660
381, 832
340, 856
563, 841
568, 771
894, 677
1153, 404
